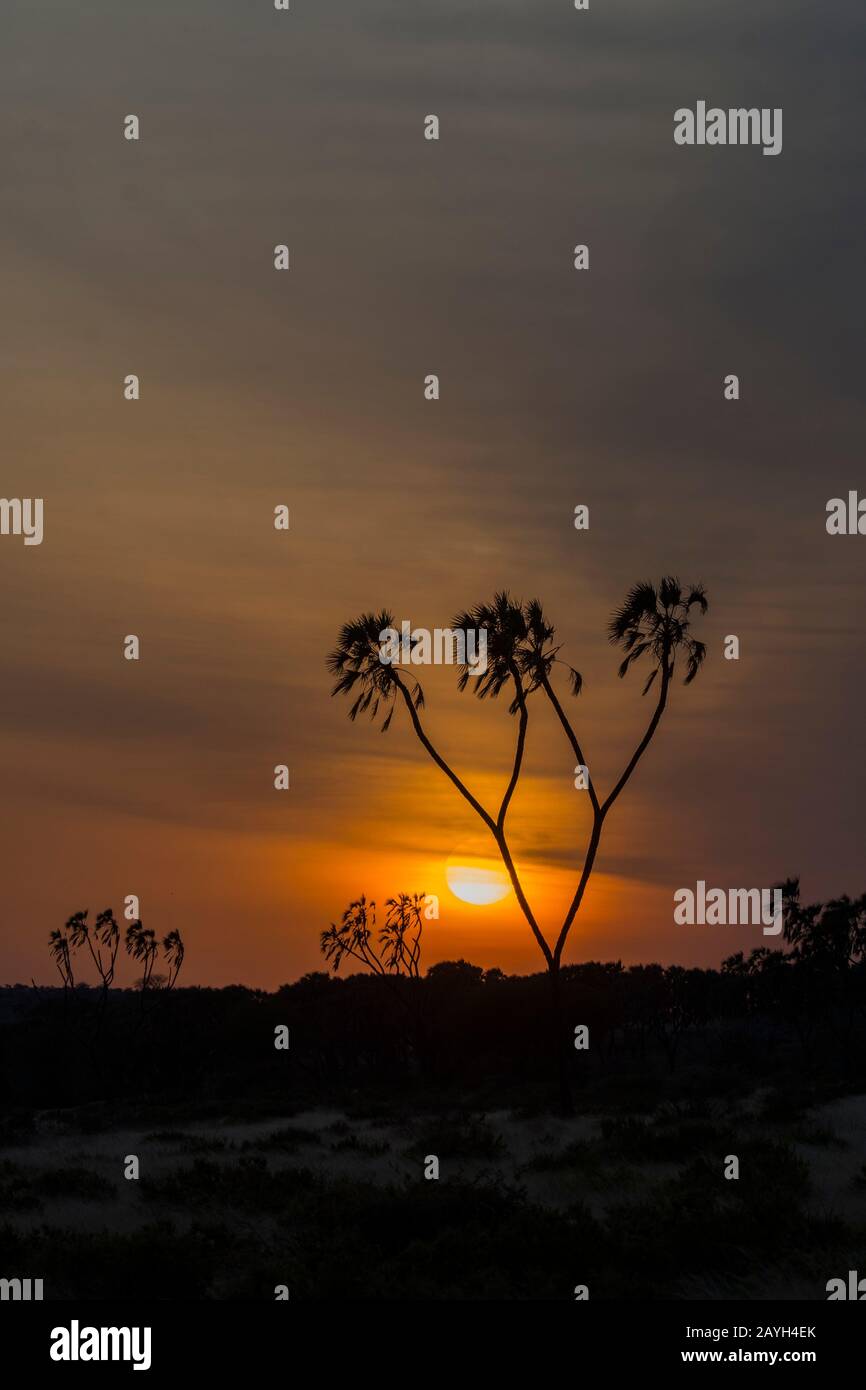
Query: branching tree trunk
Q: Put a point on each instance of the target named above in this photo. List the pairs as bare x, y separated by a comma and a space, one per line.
520, 657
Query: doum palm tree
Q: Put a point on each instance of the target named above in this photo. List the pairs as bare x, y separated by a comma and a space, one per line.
103, 942
652, 626
399, 948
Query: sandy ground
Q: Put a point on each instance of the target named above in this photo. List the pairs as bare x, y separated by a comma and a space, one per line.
381, 1157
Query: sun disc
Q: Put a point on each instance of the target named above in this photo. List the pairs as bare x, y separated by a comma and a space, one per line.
477, 884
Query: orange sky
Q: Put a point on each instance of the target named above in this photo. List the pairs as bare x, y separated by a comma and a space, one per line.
306, 389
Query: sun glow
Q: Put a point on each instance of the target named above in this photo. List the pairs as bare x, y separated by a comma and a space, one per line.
478, 883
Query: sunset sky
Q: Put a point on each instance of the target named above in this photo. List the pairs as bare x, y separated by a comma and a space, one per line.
559, 387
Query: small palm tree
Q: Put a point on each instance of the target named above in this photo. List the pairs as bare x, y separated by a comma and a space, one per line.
58, 945
141, 946
174, 951
104, 937
399, 940
107, 935
353, 937
103, 943
79, 931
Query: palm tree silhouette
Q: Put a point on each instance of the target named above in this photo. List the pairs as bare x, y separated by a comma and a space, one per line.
58, 945
353, 937
174, 951
521, 657
107, 935
357, 664
103, 943
141, 946
653, 623
399, 940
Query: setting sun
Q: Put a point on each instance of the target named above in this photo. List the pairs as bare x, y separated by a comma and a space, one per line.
479, 884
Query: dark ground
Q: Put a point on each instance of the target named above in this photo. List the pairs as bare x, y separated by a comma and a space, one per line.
305, 1167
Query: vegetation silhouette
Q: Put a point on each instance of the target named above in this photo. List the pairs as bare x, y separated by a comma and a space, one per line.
798, 1011
103, 942
395, 956
398, 951
686, 1065
654, 623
